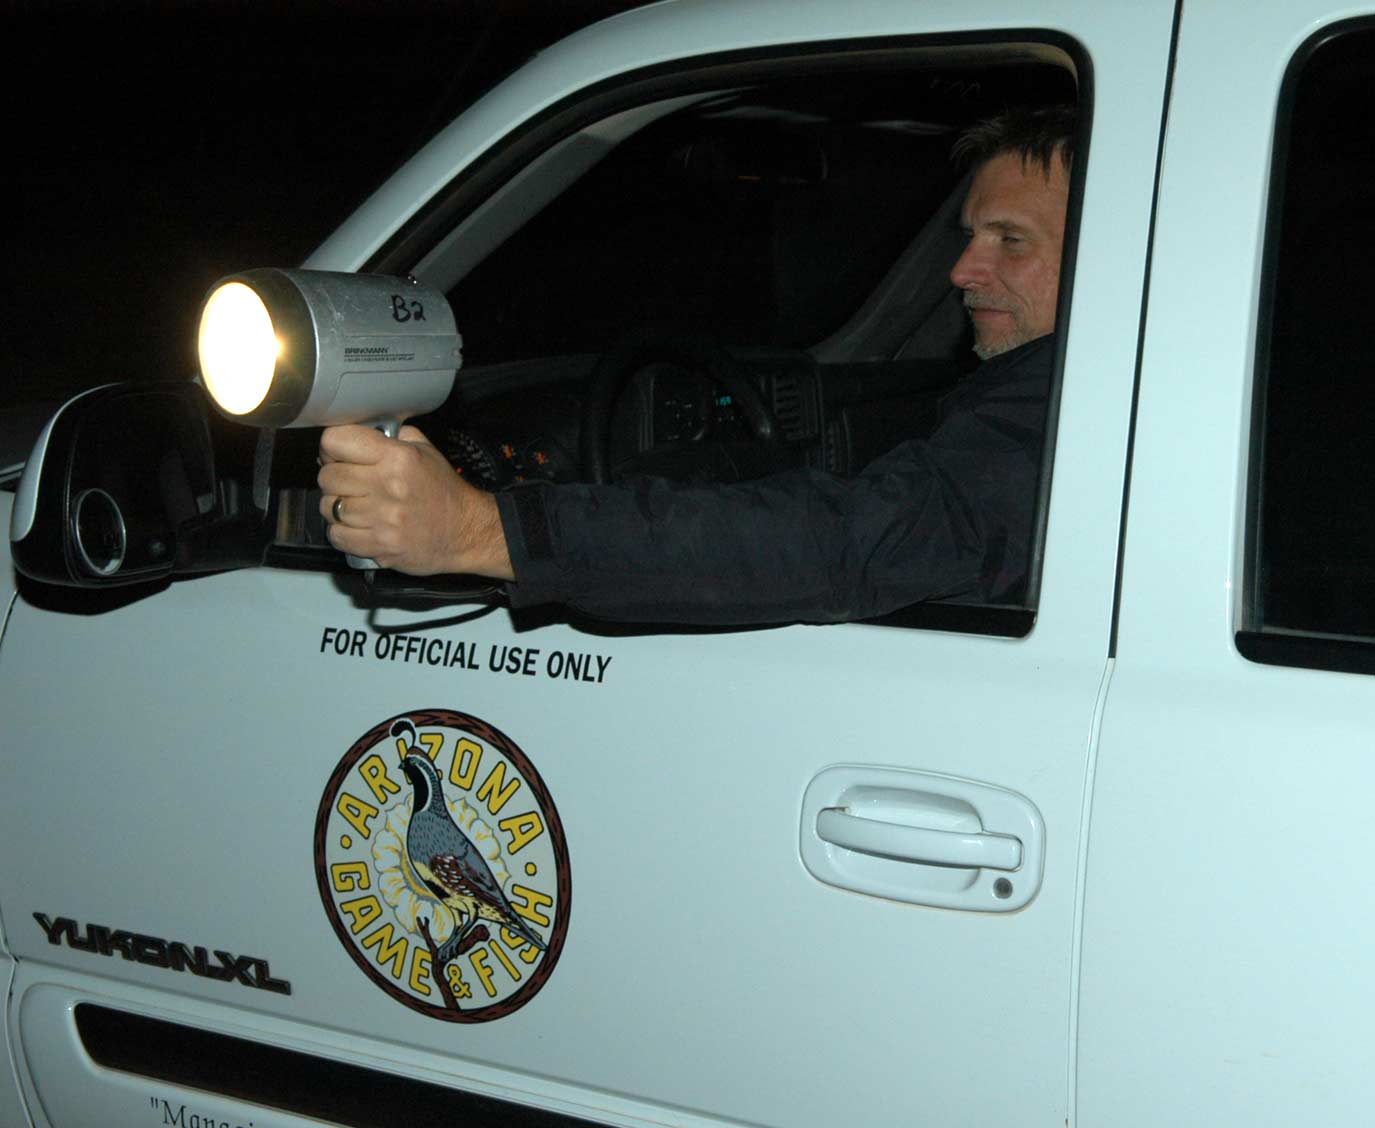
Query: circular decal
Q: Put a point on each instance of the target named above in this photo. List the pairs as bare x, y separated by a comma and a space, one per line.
442, 865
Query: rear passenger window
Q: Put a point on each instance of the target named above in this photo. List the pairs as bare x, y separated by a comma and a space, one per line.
1310, 582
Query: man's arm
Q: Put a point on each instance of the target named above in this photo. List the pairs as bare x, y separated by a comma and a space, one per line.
949, 517
798, 546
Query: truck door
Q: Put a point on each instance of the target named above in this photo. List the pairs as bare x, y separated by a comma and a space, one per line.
803, 875
1225, 933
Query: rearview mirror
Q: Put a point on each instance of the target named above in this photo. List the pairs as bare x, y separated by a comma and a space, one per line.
119, 484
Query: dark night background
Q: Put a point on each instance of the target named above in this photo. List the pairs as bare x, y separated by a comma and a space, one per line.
152, 148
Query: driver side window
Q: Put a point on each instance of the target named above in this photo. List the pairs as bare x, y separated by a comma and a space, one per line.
805, 227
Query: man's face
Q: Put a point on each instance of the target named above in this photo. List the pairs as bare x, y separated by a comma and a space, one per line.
1014, 217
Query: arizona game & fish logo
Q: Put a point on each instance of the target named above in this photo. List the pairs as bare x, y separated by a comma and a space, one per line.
442, 865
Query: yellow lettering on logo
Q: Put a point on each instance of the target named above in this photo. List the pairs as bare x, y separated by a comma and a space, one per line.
391, 949
374, 774
523, 829
479, 960
528, 902
463, 770
420, 970
357, 812
433, 742
460, 989
505, 961
527, 952
495, 789
348, 876
362, 911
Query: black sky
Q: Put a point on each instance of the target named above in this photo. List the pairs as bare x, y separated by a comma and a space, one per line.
153, 148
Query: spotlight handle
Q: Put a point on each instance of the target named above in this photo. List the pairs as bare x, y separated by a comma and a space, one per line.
389, 427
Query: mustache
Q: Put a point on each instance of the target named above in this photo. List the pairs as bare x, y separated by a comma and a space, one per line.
974, 301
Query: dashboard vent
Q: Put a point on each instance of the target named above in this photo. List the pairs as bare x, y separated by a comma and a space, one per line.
789, 407
835, 446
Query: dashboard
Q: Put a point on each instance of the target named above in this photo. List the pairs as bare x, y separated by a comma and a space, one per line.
670, 418
513, 438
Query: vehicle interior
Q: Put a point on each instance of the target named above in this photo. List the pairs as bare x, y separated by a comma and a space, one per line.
779, 251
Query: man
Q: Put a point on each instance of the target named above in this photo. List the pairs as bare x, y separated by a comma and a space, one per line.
947, 517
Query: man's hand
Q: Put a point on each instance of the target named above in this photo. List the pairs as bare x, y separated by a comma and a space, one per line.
401, 503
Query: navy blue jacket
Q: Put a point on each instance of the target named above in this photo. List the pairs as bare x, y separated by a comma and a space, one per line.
947, 517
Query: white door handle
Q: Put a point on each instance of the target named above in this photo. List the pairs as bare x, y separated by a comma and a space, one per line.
924, 838
917, 844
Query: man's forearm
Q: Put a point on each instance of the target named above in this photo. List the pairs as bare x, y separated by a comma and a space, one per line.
481, 548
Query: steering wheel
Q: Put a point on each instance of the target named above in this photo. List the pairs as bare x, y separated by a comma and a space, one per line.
695, 351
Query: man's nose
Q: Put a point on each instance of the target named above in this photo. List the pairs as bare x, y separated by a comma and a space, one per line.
970, 269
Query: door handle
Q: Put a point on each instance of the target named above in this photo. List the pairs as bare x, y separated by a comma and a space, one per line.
917, 843
925, 838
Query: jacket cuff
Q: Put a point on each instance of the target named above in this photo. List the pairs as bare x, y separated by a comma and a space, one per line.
530, 543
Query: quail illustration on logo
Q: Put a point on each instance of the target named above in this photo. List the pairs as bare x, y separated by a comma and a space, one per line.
442, 865
447, 861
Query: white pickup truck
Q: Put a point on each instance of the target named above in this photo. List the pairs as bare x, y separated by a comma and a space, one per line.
1078, 859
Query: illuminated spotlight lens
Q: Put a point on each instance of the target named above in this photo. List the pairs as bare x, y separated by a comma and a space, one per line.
238, 348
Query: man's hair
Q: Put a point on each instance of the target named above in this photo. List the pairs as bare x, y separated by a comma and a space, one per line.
1036, 134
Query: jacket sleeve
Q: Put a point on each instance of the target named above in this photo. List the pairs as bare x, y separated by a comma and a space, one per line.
948, 517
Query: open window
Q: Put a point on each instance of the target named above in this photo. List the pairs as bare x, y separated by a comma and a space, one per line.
799, 212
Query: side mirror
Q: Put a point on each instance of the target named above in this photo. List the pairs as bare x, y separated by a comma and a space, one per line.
121, 484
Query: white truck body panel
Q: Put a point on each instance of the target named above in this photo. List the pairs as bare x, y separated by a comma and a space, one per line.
1196, 950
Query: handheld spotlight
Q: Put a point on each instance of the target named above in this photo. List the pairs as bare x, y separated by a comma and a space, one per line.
314, 348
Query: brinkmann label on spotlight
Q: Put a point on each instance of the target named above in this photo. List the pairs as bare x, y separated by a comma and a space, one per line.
373, 353
442, 865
